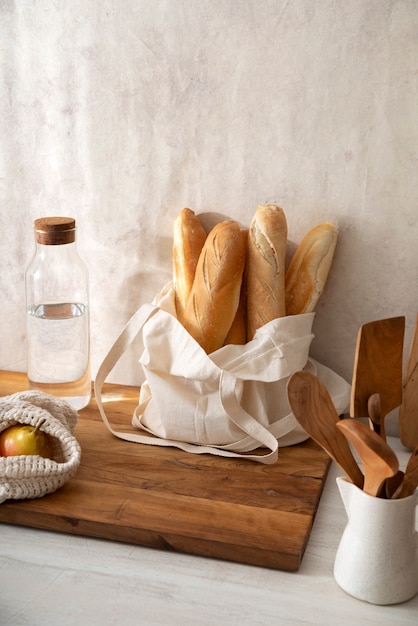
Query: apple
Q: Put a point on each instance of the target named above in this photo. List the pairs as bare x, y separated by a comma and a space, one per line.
25, 439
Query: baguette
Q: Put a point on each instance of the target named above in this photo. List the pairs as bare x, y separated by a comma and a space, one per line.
188, 239
308, 270
215, 294
237, 334
266, 267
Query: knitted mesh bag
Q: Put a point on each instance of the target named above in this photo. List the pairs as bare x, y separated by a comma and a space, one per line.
32, 476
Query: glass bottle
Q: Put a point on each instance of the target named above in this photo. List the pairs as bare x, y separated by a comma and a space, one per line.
57, 305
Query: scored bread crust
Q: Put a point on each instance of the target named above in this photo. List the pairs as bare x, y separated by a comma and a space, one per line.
266, 267
237, 334
215, 294
308, 270
189, 237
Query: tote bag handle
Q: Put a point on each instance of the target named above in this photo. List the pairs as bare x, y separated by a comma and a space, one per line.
228, 395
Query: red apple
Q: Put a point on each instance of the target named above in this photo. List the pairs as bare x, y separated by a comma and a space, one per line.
25, 439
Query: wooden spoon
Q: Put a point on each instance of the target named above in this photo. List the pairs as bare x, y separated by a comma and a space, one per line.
378, 459
314, 410
410, 481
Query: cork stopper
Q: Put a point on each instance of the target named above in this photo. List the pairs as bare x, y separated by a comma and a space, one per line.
54, 231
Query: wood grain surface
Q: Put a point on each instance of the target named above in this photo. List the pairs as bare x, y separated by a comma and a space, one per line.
378, 367
408, 413
165, 498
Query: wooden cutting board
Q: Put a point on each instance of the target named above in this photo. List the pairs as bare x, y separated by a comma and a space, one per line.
165, 498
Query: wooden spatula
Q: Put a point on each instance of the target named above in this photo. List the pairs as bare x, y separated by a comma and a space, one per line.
408, 413
378, 370
313, 408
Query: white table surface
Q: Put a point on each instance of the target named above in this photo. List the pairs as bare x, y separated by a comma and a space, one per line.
49, 578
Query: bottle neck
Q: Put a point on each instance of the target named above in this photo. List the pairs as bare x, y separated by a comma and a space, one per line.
62, 249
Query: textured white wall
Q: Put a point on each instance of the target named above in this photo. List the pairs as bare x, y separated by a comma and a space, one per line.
122, 113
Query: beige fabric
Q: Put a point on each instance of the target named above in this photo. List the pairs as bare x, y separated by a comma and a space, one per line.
33, 476
228, 403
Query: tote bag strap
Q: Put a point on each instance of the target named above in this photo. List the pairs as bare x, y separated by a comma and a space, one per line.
127, 336
245, 421
228, 397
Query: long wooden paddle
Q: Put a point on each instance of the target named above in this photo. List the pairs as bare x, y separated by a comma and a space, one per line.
408, 413
378, 370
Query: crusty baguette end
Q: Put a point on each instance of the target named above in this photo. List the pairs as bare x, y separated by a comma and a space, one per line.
308, 270
188, 239
266, 263
216, 290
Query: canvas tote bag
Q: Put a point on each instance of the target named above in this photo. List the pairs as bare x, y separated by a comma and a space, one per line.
232, 402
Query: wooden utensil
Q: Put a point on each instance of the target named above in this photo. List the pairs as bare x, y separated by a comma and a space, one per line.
314, 410
374, 411
392, 484
410, 481
378, 369
408, 413
378, 459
